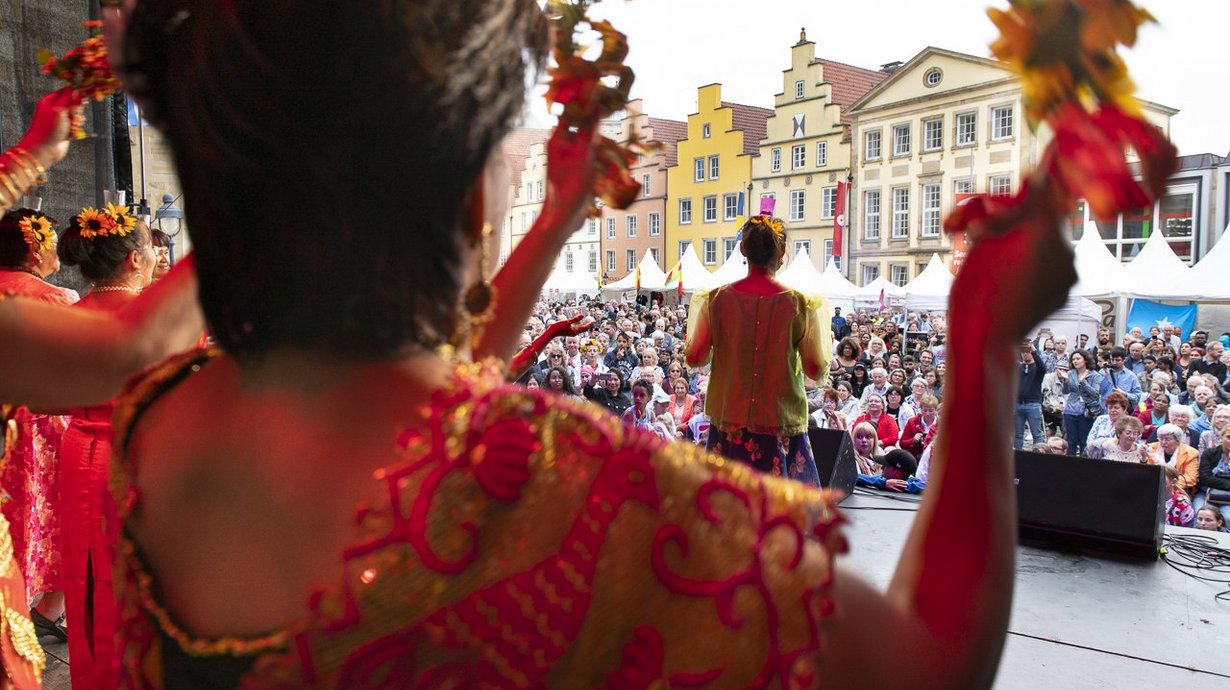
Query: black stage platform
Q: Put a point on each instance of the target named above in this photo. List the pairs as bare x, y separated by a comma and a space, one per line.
1080, 621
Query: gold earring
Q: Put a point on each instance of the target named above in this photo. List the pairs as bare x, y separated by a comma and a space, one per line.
480, 298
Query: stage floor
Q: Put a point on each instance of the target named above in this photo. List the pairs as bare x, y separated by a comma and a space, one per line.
1080, 621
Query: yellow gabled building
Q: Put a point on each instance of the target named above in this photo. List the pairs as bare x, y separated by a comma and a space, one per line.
713, 166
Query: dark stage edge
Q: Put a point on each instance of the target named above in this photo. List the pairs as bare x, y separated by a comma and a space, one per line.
1079, 620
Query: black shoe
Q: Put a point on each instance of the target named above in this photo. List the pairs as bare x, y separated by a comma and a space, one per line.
48, 628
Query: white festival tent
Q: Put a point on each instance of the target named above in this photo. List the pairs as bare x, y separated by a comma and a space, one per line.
734, 269
802, 275
835, 286
870, 293
695, 275
1156, 273
929, 289
652, 277
1099, 273
1209, 280
564, 281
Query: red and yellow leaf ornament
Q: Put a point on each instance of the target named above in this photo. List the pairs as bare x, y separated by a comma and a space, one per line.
85, 68
590, 90
1074, 80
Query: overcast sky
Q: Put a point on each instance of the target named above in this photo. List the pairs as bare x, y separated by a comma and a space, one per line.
679, 45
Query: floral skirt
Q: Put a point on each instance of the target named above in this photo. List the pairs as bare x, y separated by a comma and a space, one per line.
778, 455
30, 481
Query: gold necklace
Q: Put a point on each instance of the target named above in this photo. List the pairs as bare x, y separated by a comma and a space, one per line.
117, 288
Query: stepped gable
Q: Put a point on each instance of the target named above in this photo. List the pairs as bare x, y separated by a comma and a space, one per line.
754, 123
850, 83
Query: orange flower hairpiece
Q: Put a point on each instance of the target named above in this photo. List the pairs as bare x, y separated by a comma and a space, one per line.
85, 68
38, 233
583, 88
774, 225
112, 221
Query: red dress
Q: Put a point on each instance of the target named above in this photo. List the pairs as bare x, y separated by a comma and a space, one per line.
30, 474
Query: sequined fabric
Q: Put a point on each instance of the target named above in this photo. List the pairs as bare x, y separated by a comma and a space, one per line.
31, 484
533, 541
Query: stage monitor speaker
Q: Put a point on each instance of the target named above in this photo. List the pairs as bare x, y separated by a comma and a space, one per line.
1076, 503
834, 453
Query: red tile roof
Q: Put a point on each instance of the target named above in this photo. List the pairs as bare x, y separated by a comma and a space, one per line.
517, 149
754, 123
669, 133
850, 83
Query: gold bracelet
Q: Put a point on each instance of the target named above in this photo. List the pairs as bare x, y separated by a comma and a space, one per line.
7, 180
4, 199
41, 179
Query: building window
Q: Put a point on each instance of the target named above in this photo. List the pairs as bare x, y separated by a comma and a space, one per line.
1002, 123
645, 191
630, 255
729, 245
631, 225
828, 255
1176, 214
901, 140
653, 251
529, 192
933, 134
683, 247
933, 77
828, 202
685, 211
801, 246
593, 262
899, 274
872, 146
871, 214
714, 167
730, 206
709, 209
798, 90
870, 273
538, 186
822, 154
798, 204
706, 131
775, 160
710, 257
901, 212
967, 129
698, 169
798, 157
524, 221
610, 228
568, 264
965, 186
610, 260
655, 224
592, 227
999, 185
931, 210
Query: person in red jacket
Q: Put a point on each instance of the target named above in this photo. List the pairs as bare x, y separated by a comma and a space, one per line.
886, 426
920, 430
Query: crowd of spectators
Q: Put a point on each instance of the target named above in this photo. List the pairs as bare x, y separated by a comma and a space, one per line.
1157, 398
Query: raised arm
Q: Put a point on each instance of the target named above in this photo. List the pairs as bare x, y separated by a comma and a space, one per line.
44, 144
59, 356
947, 608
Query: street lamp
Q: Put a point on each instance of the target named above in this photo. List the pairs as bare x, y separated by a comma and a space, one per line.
173, 217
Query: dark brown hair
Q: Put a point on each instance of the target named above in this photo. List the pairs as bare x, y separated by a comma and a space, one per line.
327, 154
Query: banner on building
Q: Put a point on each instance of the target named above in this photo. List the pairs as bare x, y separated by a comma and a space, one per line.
839, 219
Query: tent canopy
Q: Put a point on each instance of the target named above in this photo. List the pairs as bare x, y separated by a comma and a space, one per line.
929, 290
565, 281
1208, 281
1156, 273
834, 285
801, 274
1098, 272
652, 277
880, 287
695, 275
734, 269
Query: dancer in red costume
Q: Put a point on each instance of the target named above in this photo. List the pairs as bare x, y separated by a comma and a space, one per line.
118, 260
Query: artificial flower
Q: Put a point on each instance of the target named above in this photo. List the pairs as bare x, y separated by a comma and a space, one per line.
94, 222
85, 68
37, 232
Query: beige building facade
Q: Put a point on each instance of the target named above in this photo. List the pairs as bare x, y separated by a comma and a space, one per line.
806, 151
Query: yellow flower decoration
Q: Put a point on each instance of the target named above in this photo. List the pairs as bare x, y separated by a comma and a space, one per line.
112, 221
1064, 51
37, 232
772, 224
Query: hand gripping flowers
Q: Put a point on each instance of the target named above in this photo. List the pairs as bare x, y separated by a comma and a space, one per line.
577, 84
85, 68
112, 221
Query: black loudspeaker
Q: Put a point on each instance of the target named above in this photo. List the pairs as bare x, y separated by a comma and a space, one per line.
1075, 503
833, 450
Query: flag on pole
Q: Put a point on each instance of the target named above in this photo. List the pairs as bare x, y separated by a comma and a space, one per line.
675, 275
839, 219
883, 302
638, 278
742, 202
1145, 314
